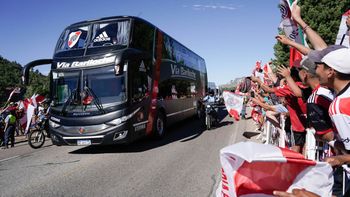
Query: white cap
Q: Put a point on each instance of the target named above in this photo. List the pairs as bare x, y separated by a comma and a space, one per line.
339, 60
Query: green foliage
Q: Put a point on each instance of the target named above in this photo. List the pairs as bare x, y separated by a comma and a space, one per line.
39, 84
323, 16
281, 54
11, 77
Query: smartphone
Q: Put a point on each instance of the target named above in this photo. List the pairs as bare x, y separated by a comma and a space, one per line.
252, 94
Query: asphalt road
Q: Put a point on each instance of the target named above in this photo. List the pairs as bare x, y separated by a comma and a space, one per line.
184, 163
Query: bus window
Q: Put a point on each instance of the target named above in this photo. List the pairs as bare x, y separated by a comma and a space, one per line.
140, 82
176, 89
143, 35
96, 80
65, 83
74, 38
110, 34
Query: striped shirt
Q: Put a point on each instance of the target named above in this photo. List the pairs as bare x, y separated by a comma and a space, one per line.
339, 111
317, 110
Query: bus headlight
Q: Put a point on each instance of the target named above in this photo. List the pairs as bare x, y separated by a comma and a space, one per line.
53, 124
115, 122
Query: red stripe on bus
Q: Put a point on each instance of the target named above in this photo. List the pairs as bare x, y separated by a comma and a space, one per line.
153, 107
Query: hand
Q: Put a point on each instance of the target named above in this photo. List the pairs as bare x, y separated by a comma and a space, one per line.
285, 72
335, 161
296, 12
295, 193
283, 39
255, 79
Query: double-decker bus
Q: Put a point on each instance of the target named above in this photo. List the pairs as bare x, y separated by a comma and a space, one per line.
116, 79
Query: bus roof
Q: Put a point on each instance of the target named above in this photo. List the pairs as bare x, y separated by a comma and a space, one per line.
111, 18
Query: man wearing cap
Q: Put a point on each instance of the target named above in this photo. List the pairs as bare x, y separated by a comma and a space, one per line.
333, 70
319, 100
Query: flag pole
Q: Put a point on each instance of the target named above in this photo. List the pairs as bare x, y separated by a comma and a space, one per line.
342, 39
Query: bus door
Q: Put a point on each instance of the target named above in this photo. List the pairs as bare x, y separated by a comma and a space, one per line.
140, 82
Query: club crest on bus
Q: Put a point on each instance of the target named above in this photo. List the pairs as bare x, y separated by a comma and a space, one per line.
81, 130
73, 38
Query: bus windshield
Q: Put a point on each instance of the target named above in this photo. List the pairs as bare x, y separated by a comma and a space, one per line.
99, 84
115, 33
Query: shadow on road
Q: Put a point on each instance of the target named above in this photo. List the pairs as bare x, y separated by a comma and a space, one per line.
184, 131
249, 134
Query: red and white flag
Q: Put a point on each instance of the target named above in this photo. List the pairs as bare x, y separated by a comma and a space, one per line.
292, 31
233, 103
343, 32
295, 57
269, 77
258, 65
17, 90
252, 169
288, 25
29, 106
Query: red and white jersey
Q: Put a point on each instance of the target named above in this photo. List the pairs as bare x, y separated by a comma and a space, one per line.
317, 110
339, 111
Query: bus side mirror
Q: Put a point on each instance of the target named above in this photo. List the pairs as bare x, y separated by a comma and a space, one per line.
30, 65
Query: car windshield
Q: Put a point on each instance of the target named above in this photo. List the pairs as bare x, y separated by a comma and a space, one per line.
100, 86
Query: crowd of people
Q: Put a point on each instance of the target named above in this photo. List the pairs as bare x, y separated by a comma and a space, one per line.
10, 124
311, 95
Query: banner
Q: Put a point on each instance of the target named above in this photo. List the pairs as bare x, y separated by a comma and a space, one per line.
292, 31
252, 169
295, 57
343, 33
29, 106
258, 65
17, 90
288, 25
256, 71
233, 103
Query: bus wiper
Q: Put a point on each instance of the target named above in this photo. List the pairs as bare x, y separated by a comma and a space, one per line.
68, 101
96, 100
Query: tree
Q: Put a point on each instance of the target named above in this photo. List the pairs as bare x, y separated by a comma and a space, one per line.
323, 16
11, 77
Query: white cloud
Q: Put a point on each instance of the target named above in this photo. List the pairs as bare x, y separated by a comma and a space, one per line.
206, 7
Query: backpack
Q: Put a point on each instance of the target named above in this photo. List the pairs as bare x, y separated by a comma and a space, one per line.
245, 86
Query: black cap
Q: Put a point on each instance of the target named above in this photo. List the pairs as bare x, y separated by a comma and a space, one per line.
308, 65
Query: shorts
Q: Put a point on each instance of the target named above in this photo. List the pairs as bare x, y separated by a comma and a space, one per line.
299, 138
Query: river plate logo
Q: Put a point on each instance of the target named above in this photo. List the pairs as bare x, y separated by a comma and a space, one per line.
73, 38
81, 130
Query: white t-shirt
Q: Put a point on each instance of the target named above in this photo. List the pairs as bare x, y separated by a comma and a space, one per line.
339, 111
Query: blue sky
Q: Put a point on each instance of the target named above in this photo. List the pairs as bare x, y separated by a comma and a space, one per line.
231, 35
